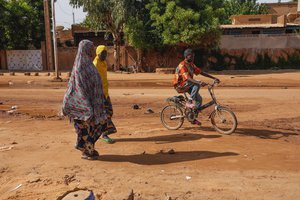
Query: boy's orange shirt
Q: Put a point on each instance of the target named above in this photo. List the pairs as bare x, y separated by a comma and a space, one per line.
182, 73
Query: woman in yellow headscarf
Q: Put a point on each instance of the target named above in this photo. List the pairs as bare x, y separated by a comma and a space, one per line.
101, 65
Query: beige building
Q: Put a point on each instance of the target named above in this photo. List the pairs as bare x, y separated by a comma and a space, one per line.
260, 32
283, 8
275, 34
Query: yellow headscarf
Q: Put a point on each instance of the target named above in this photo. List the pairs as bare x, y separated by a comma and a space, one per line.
102, 69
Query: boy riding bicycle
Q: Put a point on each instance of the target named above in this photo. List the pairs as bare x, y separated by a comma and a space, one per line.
184, 82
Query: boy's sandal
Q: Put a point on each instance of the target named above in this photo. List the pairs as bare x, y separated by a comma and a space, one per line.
196, 122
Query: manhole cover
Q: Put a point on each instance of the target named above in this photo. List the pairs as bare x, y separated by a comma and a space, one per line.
78, 195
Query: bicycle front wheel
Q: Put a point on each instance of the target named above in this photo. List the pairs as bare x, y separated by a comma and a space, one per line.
172, 117
224, 120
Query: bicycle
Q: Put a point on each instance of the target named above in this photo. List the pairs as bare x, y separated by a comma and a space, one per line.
222, 118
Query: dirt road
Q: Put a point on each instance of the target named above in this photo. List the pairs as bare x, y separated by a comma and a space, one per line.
260, 161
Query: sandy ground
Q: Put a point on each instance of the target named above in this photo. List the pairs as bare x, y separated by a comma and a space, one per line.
260, 161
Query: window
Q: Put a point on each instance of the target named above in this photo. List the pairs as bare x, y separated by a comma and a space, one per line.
254, 20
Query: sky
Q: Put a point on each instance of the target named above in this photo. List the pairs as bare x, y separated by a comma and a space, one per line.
63, 12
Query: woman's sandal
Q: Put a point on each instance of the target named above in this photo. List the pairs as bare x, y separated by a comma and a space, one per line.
108, 140
94, 156
78, 148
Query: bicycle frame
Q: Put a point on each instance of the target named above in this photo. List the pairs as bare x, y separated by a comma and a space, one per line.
210, 103
213, 97
181, 108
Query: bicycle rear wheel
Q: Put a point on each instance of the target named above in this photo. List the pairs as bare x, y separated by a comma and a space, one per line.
224, 120
172, 117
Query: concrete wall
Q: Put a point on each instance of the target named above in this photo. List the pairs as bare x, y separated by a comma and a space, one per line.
152, 58
169, 57
260, 41
250, 55
247, 45
66, 58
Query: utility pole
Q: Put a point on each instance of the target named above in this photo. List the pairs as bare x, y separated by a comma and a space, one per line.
56, 78
49, 55
73, 16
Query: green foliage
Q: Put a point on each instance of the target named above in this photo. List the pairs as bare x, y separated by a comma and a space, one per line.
37, 22
22, 24
139, 32
154, 23
16, 27
136, 33
242, 7
3, 17
291, 62
107, 14
188, 23
89, 22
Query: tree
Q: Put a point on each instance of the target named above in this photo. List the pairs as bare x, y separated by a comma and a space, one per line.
22, 24
3, 17
18, 24
138, 28
139, 32
165, 24
242, 7
108, 14
90, 23
37, 30
187, 23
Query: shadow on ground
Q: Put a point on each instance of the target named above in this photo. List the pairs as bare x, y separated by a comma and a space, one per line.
161, 159
256, 132
162, 139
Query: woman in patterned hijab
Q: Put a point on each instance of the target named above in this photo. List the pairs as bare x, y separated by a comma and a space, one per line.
84, 101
